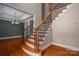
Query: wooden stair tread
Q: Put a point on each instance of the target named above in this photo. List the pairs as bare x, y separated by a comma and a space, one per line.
35, 39
33, 43
40, 37
39, 34
42, 29
45, 24
30, 49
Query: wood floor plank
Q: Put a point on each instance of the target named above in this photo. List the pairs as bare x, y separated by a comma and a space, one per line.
54, 50
11, 47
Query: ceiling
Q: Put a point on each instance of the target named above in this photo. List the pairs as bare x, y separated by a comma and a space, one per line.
8, 13
54, 6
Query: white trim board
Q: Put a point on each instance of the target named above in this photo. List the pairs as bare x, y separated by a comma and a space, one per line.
11, 37
66, 46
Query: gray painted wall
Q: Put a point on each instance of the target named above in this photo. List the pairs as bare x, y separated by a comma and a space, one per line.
66, 27
9, 30
45, 9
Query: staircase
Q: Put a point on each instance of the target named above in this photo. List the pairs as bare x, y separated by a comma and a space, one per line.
34, 44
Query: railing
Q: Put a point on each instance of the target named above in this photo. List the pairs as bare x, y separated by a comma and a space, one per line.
48, 38
28, 31
37, 29
37, 43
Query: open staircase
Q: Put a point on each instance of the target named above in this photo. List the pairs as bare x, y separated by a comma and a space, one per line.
34, 44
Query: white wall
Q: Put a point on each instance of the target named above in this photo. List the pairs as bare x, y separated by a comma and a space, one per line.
33, 8
66, 27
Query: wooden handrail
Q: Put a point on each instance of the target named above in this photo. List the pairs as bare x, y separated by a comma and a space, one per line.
49, 13
43, 20
37, 37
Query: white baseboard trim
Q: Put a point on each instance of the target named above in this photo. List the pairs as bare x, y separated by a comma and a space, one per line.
66, 46
11, 37
46, 46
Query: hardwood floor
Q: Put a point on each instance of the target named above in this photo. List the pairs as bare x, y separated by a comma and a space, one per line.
54, 50
11, 47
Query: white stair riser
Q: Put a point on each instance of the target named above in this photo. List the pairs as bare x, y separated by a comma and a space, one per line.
30, 45
41, 34
34, 41
29, 52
